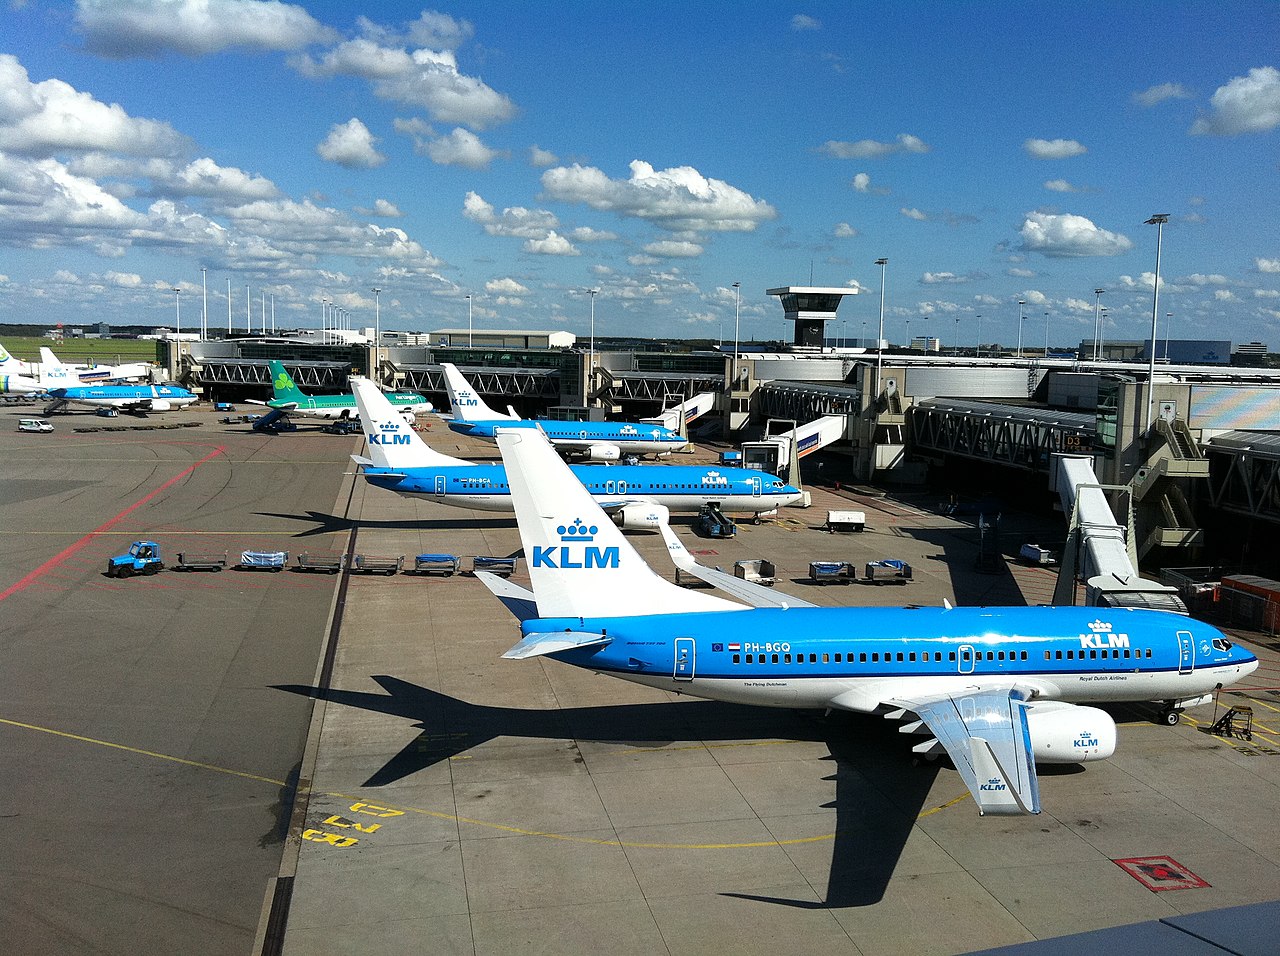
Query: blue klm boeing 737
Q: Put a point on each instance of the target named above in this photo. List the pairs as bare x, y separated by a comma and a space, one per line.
997, 689
599, 441
638, 495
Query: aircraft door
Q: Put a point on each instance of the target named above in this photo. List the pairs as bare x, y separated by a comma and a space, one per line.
439, 486
755, 487
1186, 652
684, 659
966, 659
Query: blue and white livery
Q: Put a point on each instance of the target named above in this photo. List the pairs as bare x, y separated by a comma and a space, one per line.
639, 496
997, 689
599, 441
139, 399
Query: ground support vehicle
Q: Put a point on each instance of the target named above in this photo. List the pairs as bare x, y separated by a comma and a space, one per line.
143, 557
442, 564
832, 572
263, 560
888, 571
34, 425
321, 563
195, 561
757, 571
711, 522
503, 567
372, 564
846, 520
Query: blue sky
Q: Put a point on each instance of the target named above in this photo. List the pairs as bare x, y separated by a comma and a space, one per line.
522, 153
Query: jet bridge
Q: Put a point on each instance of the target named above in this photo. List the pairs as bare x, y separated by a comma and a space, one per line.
678, 416
1100, 550
782, 450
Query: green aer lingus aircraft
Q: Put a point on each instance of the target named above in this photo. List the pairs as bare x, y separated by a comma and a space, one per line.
287, 397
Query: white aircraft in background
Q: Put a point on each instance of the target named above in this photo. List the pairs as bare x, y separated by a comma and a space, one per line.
18, 377
94, 373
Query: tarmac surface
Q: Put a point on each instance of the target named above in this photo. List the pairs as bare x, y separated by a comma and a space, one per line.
452, 801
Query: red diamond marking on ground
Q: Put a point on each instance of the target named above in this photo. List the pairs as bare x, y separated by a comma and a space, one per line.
1160, 873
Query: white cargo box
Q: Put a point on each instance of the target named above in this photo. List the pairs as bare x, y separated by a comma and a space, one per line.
846, 520
1034, 554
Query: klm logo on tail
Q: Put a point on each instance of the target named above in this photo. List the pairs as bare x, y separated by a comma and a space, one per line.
568, 556
466, 398
389, 434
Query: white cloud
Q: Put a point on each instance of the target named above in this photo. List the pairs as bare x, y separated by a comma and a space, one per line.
515, 222
873, 149
844, 231
1077, 305
1224, 295
1247, 104
541, 158
1266, 293
941, 278
1068, 236
915, 214
802, 21
587, 234
677, 199
673, 249
505, 286
42, 203
382, 208
461, 148
425, 78
1145, 282
137, 28
1061, 186
1018, 273
350, 144
1158, 94
552, 245
51, 117
1215, 279
1267, 265
1053, 148
1034, 297
861, 182
439, 31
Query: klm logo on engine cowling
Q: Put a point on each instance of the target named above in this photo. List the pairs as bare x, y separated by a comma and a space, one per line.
575, 550
1085, 741
1102, 637
388, 434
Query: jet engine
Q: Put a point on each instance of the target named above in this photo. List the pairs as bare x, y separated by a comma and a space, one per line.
1069, 733
639, 516
604, 452
160, 405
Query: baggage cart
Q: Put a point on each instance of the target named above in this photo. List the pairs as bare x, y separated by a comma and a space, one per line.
832, 572
197, 561
846, 520
503, 567
888, 571
263, 560
373, 564
757, 571
323, 563
443, 564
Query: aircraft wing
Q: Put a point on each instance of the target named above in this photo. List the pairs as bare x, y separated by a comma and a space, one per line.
755, 595
519, 601
986, 735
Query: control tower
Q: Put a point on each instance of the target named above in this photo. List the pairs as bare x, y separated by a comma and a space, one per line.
809, 307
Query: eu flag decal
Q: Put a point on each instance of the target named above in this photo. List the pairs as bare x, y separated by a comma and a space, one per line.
717, 647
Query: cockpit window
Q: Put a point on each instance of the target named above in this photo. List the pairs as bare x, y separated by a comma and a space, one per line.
1221, 644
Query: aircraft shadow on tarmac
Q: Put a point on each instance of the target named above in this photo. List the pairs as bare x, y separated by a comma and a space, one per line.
879, 789
330, 524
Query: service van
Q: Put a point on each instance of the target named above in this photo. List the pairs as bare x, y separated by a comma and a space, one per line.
34, 425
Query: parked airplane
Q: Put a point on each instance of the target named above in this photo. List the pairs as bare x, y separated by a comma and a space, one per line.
50, 365
997, 688
287, 397
599, 441
129, 398
19, 377
400, 461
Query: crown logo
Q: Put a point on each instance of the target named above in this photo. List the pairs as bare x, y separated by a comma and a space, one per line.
577, 531
1098, 627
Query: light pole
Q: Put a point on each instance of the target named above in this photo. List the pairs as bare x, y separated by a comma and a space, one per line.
1158, 220
1097, 321
882, 263
1021, 303
1102, 336
273, 313
977, 348
955, 342
177, 311
377, 330
204, 308
591, 359
1046, 335
908, 335
1168, 328
737, 312
228, 307
469, 322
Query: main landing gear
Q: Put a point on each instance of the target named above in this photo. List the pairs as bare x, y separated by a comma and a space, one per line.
1170, 715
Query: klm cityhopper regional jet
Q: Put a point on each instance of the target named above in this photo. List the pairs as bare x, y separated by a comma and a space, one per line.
997, 688
599, 441
288, 398
638, 495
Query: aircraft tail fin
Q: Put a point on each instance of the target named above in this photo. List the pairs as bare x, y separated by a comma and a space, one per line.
392, 441
282, 385
465, 401
8, 363
580, 564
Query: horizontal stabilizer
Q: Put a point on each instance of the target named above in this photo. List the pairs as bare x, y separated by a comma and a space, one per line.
519, 601
362, 461
755, 595
549, 642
